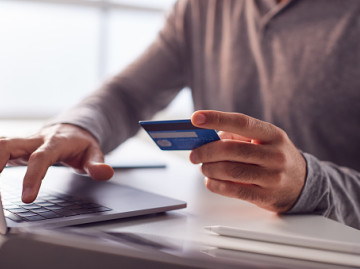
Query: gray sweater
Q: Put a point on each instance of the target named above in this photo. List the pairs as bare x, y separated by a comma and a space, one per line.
296, 65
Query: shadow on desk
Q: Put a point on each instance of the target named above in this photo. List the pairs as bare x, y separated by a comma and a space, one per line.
26, 253
74, 248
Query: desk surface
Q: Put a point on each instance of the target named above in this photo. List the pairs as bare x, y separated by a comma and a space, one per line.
183, 181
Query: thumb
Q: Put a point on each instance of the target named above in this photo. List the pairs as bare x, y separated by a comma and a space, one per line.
94, 165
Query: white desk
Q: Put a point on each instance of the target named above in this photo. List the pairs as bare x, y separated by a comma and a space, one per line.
183, 181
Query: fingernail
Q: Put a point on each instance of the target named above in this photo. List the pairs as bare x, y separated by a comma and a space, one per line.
199, 119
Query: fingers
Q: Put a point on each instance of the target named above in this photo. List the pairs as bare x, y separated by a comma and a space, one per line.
38, 164
237, 123
254, 160
94, 164
247, 192
13, 148
252, 193
67, 144
53, 152
4, 157
239, 173
236, 151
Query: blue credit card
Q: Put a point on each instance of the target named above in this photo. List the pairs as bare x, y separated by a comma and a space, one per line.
178, 134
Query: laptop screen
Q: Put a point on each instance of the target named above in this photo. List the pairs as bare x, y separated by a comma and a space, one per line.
3, 226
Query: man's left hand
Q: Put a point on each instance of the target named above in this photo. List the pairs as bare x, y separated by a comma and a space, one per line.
254, 160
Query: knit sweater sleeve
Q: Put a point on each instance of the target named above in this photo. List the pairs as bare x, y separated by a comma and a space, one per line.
330, 190
146, 86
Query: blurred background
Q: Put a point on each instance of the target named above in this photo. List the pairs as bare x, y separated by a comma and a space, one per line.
54, 52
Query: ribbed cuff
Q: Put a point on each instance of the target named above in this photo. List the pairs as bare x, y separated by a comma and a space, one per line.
313, 198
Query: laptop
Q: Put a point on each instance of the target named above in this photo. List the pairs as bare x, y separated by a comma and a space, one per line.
67, 199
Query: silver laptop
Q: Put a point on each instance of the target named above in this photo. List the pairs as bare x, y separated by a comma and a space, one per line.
67, 199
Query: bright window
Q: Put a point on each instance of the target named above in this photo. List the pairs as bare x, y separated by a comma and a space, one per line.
53, 53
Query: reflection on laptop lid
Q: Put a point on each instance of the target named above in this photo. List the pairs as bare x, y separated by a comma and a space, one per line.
67, 199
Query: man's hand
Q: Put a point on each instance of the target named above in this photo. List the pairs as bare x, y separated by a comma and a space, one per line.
62, 143
254, 160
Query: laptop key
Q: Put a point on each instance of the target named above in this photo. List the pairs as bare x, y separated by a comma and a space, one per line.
10, 207
64, 212
13, 217
18, 210
34, 218
53, 207
65, 204
56, 200
47, 197
39, 201
73, 207
91, 205
31, 206
49, 215
40, 210
69, 213
82, 211
28, 214
45, 204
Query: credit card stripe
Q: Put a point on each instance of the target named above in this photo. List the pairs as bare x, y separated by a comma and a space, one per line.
172, 134
168, 126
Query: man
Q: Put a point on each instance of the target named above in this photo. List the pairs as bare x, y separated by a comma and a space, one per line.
289, 69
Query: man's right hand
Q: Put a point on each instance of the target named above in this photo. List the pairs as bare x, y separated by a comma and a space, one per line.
62, 143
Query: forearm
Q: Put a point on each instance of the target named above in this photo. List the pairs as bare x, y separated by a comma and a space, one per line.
108, 120
331, 191
112, 113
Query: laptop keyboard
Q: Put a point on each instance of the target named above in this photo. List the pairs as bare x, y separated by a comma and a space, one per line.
46, 206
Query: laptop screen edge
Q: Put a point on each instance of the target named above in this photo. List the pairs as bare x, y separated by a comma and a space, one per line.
3, 225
